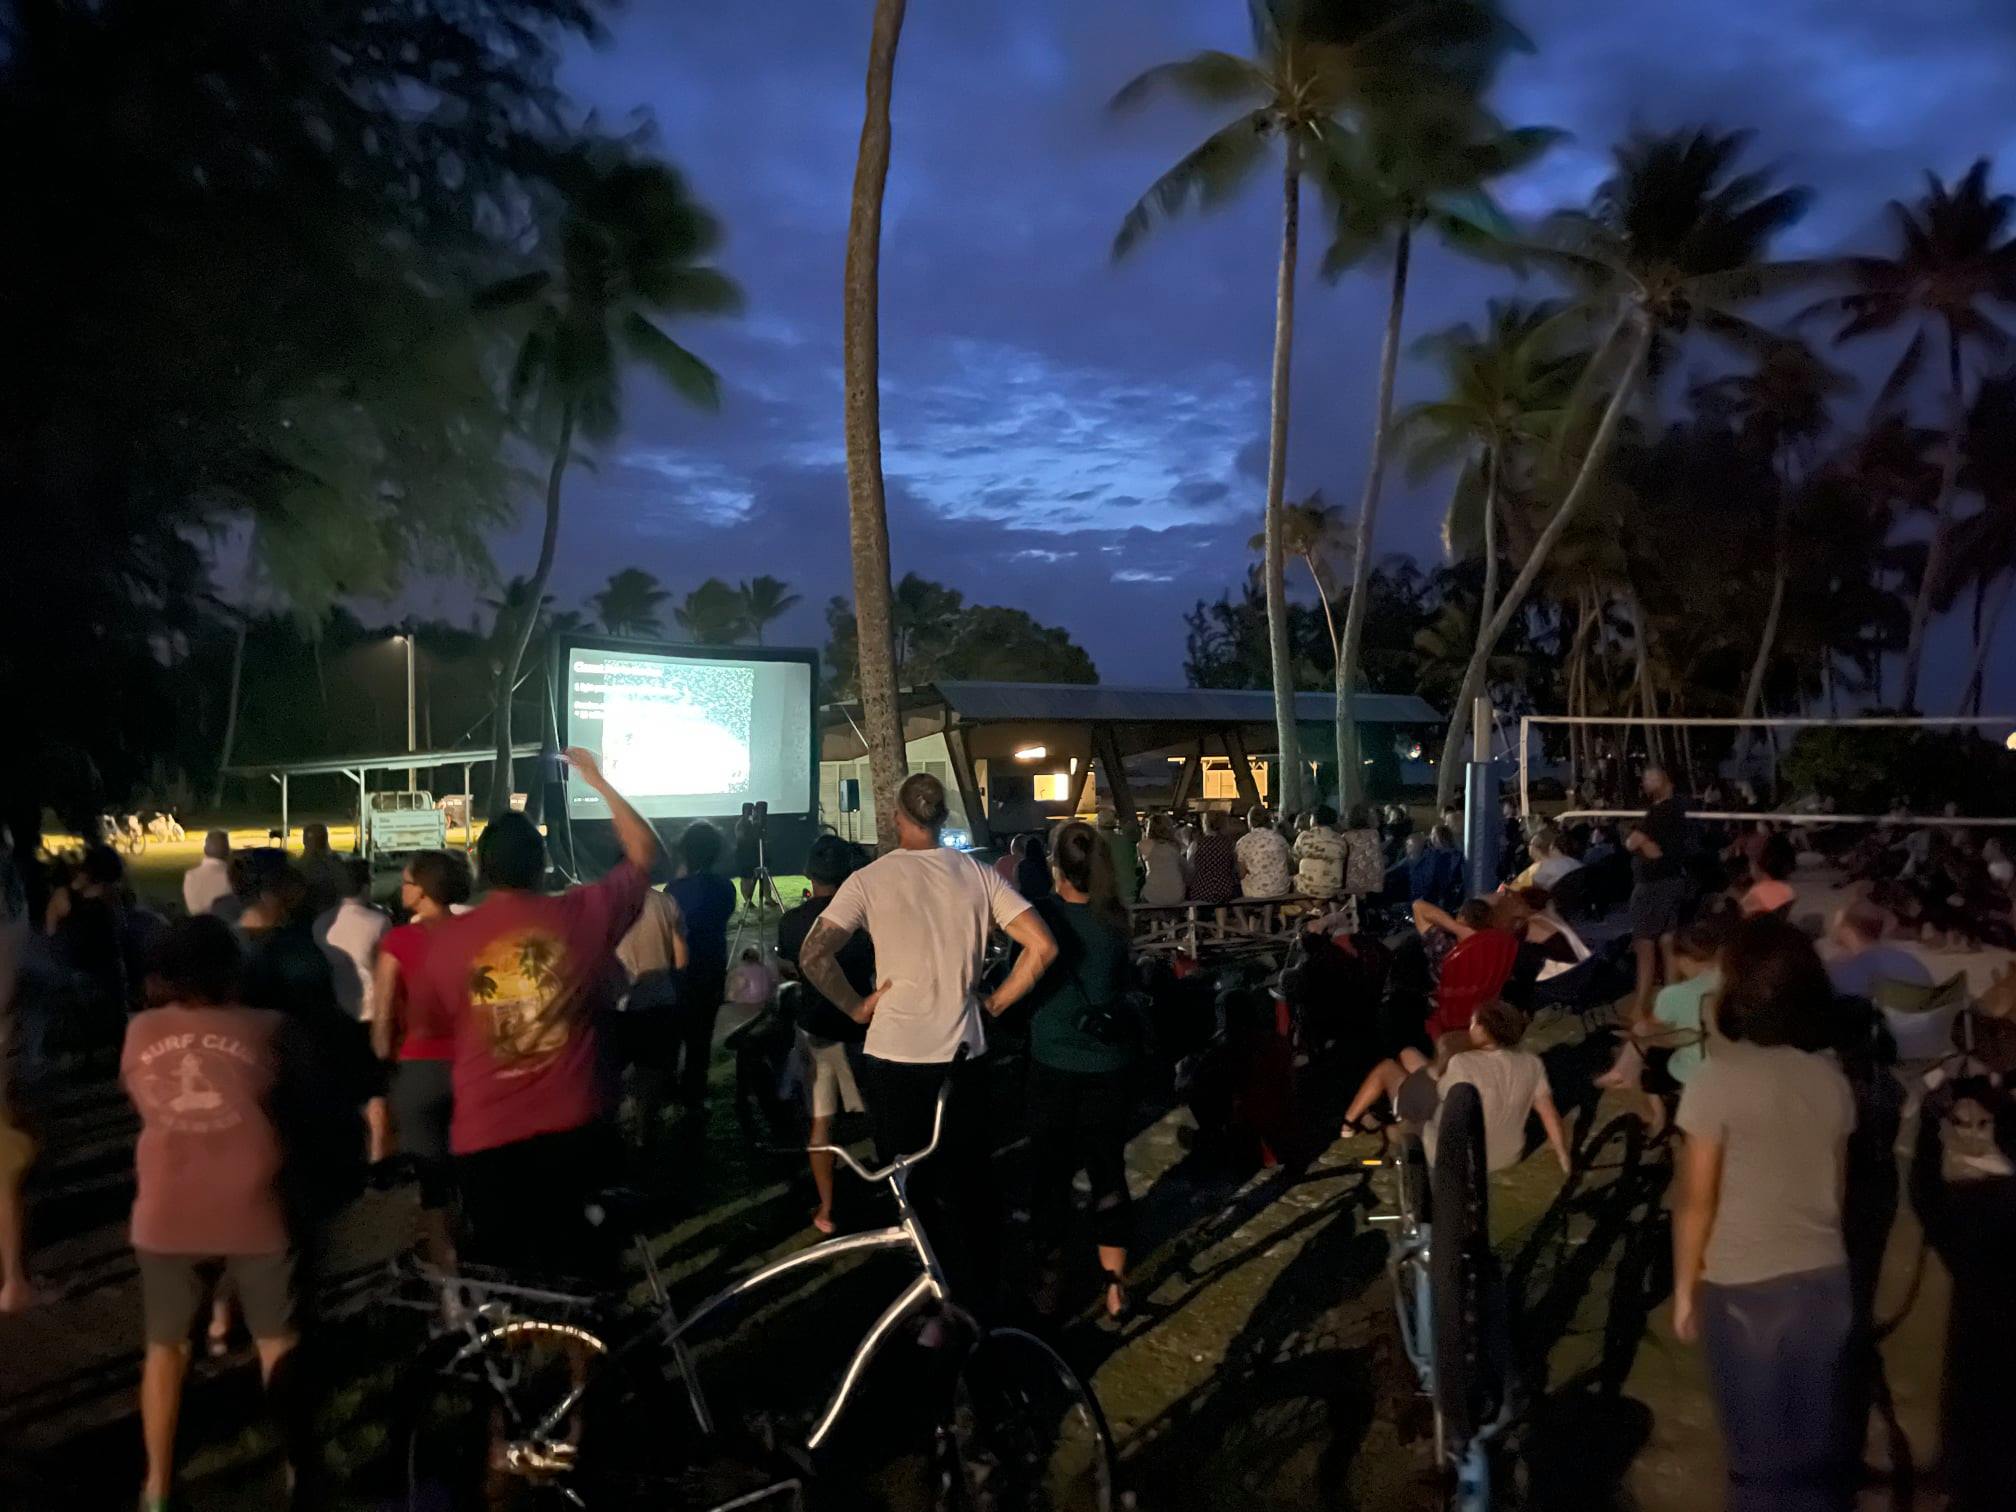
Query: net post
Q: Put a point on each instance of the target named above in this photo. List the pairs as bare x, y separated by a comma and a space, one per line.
1480, 803
1525, 784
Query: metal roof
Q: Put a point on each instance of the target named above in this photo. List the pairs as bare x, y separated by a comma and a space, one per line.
1108, 704
325, 765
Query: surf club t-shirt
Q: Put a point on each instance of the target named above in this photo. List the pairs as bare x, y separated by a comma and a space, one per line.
207, 1164
928, 913
526, 979
427, 1029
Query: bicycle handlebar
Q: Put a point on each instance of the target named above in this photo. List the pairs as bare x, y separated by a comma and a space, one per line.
846, 1157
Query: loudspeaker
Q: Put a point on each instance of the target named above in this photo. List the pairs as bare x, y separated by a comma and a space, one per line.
850, 795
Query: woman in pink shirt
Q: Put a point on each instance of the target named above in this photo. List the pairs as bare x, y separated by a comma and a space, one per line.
200, 1070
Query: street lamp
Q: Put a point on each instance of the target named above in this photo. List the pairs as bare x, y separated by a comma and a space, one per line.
412, 774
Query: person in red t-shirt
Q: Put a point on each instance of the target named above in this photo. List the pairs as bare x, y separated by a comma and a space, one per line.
527, 979
207, 1198
412, 1030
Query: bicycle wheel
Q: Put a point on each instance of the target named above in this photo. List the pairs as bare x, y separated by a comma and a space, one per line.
1025, 1434
466, 1435
1470, 1345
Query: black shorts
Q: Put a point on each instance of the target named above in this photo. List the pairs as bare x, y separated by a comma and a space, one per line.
525, 1206
1659, 908
173, 1289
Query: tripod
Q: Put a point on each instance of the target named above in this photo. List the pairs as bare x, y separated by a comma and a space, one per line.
767, 909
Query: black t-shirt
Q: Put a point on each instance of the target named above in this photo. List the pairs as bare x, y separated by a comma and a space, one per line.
818, 1017
1666, 824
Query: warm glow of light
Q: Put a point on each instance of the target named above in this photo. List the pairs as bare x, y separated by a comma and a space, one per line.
2011, 741
1032, 753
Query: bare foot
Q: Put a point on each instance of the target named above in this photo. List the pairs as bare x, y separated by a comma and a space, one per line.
822, 1222
17, 1296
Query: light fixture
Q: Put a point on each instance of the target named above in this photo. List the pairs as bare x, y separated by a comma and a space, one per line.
1032, 753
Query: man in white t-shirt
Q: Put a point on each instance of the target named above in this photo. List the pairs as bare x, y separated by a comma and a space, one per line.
929, 912
206, 886
1265, 863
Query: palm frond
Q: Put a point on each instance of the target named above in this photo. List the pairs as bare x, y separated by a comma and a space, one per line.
688, 376
1209, 174
1207, 78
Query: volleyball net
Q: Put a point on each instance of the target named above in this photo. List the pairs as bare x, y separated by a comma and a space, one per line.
1881, 769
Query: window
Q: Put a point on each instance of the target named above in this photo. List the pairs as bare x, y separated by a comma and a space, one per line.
1219, 782
1053, 787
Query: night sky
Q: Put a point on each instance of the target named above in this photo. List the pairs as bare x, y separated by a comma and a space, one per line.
1087, 441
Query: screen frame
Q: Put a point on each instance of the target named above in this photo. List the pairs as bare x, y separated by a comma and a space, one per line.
564, 646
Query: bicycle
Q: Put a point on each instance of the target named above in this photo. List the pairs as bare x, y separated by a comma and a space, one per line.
537, 1381
1448, 1295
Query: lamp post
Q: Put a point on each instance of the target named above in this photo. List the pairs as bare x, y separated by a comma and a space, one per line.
412, 774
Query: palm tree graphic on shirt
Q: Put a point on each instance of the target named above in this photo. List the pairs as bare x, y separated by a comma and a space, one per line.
515, 985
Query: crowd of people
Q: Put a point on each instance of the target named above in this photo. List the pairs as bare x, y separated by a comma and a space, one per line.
286, 1037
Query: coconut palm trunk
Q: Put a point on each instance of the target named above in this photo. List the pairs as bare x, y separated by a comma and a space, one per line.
1474, 675
1536, 560
1279, 656
867, 505
1942, 520
1350, 768
528, 617
1753, 690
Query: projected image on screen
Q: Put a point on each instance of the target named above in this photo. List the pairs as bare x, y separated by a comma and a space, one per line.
683, 736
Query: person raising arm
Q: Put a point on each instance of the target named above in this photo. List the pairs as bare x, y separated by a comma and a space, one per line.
634, 835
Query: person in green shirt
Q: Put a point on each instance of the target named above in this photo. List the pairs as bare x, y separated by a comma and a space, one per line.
1083, 1049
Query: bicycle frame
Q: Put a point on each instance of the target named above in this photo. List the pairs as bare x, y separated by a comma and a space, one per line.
907, 1233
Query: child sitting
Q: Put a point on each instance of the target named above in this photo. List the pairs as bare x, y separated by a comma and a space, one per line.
751, 984
1660, 1053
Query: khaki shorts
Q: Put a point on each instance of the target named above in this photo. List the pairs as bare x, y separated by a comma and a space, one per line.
831, 1075
173, 1289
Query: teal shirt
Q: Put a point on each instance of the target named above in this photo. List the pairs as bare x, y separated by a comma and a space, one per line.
1091, 959
1681, 1006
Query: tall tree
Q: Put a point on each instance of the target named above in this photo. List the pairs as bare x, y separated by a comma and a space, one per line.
713, 614
263, 336
1781, 409
765, 600
1505, 391
629, 252
1291, 90
628, 603
1956, 262
1420, 163
867, 505
1675, 239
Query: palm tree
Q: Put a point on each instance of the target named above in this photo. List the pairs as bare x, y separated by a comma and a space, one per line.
713, 614
1317, 535
1956, 260
765, 600
1420, 163
1674, 239
1506, 387
1312, 62
1781, 408
628, 603
867, 505
629, 248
